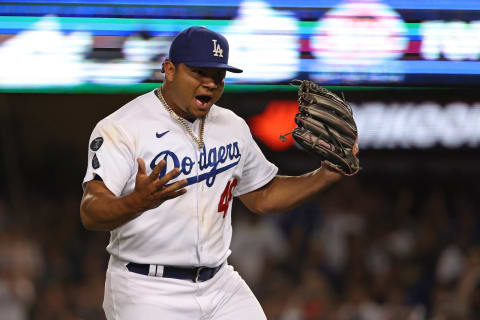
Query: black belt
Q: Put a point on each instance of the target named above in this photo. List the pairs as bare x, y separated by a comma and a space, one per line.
194, 274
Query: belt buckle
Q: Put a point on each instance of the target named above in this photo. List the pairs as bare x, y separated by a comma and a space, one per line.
197, 273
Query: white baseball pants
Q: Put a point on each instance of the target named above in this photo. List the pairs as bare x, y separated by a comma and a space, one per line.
132, 296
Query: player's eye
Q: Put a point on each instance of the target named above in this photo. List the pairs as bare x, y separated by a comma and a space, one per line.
221, 75
199, 72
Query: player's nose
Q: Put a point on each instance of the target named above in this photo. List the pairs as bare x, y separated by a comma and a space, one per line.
209, 82
213, 78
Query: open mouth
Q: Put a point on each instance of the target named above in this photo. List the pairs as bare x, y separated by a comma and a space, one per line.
203, 99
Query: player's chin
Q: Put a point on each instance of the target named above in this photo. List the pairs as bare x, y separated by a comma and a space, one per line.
201, 110
199, 113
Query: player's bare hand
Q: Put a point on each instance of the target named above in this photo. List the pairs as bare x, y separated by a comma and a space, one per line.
151, 191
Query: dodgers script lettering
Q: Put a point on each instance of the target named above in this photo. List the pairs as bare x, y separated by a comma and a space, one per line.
210, 163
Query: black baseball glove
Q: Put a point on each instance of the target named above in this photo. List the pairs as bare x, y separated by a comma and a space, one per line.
326, 128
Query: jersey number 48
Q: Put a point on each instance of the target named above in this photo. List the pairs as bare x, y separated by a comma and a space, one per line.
226, 197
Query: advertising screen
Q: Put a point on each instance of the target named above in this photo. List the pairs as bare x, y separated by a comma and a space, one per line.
97, 45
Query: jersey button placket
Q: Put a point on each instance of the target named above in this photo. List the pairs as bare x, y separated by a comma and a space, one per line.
198, 192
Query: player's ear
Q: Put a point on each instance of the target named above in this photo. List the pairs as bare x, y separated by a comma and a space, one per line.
169, 69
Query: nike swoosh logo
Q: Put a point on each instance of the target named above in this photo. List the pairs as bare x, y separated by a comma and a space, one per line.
159, 135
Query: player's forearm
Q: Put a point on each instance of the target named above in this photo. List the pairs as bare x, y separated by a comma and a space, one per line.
287, 192
103, 212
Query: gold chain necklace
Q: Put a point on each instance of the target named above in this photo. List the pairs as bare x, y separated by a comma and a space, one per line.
181, 121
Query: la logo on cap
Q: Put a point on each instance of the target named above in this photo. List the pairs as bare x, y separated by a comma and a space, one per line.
185, 49
217, 50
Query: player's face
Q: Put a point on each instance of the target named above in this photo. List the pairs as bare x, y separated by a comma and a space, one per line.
195, 89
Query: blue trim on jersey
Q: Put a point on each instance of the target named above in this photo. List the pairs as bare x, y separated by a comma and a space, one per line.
207, 175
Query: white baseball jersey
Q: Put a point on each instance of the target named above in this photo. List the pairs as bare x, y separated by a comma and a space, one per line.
195, 228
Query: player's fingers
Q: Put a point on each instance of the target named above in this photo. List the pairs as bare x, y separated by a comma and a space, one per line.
173, 187
156, 171
141, 166
174, 194
169, 176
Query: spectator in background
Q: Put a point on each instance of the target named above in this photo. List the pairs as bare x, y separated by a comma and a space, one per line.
259, 243
415, 257
21, 263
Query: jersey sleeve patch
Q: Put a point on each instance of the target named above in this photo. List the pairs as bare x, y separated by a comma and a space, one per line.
96, 143
95, 162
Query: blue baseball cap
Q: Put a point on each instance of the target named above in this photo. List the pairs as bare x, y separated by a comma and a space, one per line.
201, 47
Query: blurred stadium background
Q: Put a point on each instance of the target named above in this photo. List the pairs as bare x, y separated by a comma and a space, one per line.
399, 241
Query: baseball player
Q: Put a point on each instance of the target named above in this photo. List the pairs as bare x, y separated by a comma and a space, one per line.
162, 172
